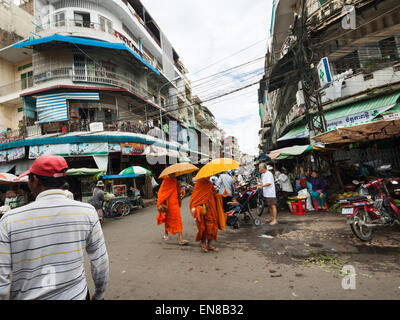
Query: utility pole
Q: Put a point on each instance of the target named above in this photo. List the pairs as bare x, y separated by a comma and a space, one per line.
314, 112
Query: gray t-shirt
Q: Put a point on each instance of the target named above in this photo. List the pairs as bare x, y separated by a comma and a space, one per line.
98, 198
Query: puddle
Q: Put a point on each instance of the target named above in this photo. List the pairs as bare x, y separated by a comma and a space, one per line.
316, 245
377, 250
277, 232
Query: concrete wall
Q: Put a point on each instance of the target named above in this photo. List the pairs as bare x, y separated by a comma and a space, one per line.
8, 22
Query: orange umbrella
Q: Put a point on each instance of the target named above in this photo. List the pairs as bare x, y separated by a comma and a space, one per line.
179, 169
217, 166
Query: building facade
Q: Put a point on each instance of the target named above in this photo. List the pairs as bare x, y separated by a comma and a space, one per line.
98, 82
352, 49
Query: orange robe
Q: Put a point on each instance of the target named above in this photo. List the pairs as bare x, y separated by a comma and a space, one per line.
204, 196
168, 194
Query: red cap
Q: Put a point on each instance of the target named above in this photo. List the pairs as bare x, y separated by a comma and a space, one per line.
48, 165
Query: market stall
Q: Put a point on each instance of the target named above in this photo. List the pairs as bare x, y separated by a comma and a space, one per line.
14, 192
82, 182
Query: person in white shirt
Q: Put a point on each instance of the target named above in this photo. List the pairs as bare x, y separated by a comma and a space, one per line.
284, 181
269, 192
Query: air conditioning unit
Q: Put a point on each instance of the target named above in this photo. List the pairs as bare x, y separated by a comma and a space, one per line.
96, 126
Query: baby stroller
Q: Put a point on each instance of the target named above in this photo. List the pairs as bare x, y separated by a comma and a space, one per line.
242, 207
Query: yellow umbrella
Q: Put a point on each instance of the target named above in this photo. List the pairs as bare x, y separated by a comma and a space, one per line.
217, 166
179, 169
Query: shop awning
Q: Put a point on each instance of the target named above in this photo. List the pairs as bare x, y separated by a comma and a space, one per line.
376, 130
360, 112
288, 152
298, 132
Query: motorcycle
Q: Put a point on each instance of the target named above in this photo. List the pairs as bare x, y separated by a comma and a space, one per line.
371, 209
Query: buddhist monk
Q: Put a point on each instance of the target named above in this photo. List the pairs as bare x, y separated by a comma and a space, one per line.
168, 206
206, 208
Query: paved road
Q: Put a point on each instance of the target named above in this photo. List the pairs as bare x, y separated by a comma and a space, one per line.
301, 258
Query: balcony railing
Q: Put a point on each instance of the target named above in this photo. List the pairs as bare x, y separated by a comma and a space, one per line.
70, 25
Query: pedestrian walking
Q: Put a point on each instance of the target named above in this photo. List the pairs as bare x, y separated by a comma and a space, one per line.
98, 199
225, 181
269, 192
42, 244
169, 208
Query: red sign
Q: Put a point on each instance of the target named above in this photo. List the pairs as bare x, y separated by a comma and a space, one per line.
132, 149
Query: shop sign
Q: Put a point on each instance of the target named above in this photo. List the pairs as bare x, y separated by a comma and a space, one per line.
114, 147
356, 119
69, 149
132, 149
324, 72
392, 116
12, 154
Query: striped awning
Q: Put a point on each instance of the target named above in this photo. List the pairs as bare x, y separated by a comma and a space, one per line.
53, 107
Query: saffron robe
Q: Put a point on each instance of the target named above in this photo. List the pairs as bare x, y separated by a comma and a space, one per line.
168, 194
206, 208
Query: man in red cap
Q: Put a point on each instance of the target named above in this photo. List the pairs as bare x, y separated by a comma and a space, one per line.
42, 244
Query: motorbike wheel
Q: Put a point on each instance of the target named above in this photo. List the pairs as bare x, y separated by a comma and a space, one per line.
257, 222
260, 204
361, 232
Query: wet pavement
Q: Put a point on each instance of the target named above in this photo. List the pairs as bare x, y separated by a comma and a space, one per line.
300, 258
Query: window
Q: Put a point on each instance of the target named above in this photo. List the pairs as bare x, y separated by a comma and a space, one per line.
389, 49
350, 61
82, 19
27, 80
59, 19
105, 25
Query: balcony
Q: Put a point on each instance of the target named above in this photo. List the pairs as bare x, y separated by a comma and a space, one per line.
95, 31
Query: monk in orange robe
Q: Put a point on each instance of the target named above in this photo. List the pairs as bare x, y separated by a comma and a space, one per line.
206, 208
168, 205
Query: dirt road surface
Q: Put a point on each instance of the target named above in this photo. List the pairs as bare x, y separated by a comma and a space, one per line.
300, 258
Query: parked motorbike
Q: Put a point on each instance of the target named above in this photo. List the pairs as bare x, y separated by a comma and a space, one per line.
373, 208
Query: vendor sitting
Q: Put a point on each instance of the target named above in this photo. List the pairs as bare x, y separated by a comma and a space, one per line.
318, 189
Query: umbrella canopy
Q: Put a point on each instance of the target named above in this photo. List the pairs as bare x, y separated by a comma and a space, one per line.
217, 166
8, 178
135, 170
179, 169
84, 172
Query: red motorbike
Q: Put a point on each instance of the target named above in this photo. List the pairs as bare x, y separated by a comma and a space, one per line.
372, 209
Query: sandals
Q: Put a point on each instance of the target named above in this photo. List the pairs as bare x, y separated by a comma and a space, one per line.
165, 237
213, 249
183, 242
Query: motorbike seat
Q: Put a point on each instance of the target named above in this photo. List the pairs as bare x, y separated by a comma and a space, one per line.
355, 199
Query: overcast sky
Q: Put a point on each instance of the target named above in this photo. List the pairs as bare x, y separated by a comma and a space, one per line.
211, 36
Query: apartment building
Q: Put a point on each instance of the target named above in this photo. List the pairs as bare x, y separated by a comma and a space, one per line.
98, 73
354, 55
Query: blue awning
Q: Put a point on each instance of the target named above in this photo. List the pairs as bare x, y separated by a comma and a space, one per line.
122, 176
86, 42
53, 107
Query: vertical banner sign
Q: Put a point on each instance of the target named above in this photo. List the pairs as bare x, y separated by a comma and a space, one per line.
324, 72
